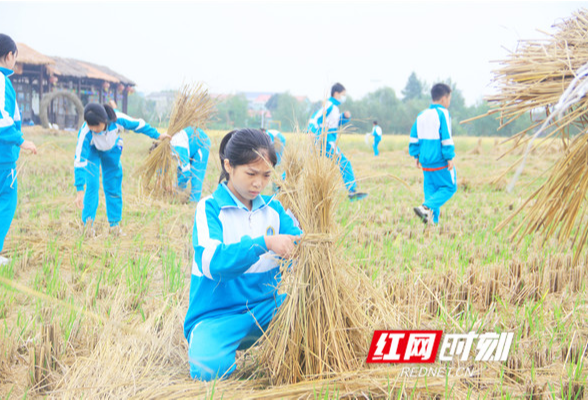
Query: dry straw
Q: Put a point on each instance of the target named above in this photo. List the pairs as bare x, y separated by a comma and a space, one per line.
548, 79
193, 107
323, 327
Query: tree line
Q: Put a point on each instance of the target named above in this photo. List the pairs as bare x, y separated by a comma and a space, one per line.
394, 114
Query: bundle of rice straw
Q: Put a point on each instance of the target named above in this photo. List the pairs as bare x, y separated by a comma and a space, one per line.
551, 75
192, 107
325, 324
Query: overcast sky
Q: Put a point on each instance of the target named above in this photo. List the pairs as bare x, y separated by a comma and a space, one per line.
301, 47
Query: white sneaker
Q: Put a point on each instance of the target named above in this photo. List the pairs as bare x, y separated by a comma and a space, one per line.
424, 213
4, 261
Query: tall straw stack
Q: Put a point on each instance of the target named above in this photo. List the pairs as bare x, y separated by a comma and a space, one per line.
323, 326
550, 75
193, 106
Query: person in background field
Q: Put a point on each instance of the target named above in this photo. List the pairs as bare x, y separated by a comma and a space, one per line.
432, 146
11, 140
377, 134
238, 236
192, 147
328, 118
278, 140
100, 146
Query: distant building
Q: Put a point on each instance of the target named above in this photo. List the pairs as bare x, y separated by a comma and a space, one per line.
37, 75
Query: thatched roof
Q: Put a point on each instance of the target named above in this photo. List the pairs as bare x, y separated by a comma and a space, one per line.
70, 67
26, 55
83, 69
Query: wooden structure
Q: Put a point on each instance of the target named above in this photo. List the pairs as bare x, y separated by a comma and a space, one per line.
36, 75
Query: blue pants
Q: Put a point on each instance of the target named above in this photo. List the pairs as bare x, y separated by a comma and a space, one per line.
344, 165
439, 187
377, 140
112, 175
213, 342
8, 197
198, 171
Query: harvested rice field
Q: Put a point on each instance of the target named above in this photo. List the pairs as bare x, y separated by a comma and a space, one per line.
100, 316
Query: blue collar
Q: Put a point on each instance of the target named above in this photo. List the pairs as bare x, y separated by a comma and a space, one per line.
437, 106
225, 198
334, 101
6, 71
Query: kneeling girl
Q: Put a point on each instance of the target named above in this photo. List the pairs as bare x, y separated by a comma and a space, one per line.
238, 237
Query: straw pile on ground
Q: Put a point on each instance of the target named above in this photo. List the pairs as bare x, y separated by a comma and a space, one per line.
324, 326
549, 79
192, 107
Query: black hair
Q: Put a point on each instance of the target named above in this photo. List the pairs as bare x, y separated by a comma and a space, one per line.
95, 114
7, 46
375, 122
242, 147
337, 88
439, 90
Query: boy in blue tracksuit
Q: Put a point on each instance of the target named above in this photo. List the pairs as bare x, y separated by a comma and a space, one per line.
11, 140
238, 237
377, 134
100, 146
192, 147
327, 120
432, 146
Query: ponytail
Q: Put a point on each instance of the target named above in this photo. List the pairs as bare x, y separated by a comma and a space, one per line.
110, 113
224, 175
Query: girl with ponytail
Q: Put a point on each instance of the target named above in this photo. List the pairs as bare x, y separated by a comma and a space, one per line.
238, 238
100, 147
11, 140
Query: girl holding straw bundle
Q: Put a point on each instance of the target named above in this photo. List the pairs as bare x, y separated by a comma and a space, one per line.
100, 145
238, 238
11, 140
192, 147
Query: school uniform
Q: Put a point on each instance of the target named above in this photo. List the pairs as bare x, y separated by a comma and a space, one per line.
103, 150
377, 134
330, 118
192, 147
234, 280
431, 143
10, 141
277, 136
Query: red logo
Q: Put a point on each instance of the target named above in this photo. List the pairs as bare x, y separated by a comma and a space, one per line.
417, 347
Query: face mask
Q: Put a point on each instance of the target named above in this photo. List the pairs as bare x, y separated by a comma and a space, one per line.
342, 100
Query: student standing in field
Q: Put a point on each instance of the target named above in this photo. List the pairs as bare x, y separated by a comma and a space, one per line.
278, 140
11, 139
328, 118
192, 147
238, 234
432, 146
100, 147
377, 134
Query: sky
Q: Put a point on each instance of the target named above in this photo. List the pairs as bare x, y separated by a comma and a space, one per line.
298, 46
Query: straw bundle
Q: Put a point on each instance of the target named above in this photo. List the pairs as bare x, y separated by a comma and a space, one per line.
549, 79
192, 107
323, 326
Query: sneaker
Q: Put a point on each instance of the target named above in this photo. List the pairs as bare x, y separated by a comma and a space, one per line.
353, 196
4, 261
424, 213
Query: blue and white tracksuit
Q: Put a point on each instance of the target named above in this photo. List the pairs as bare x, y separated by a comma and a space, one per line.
234, 281
104, 149
277, 135
10, 141
377, 133
431, 143
330, 118
192, 147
